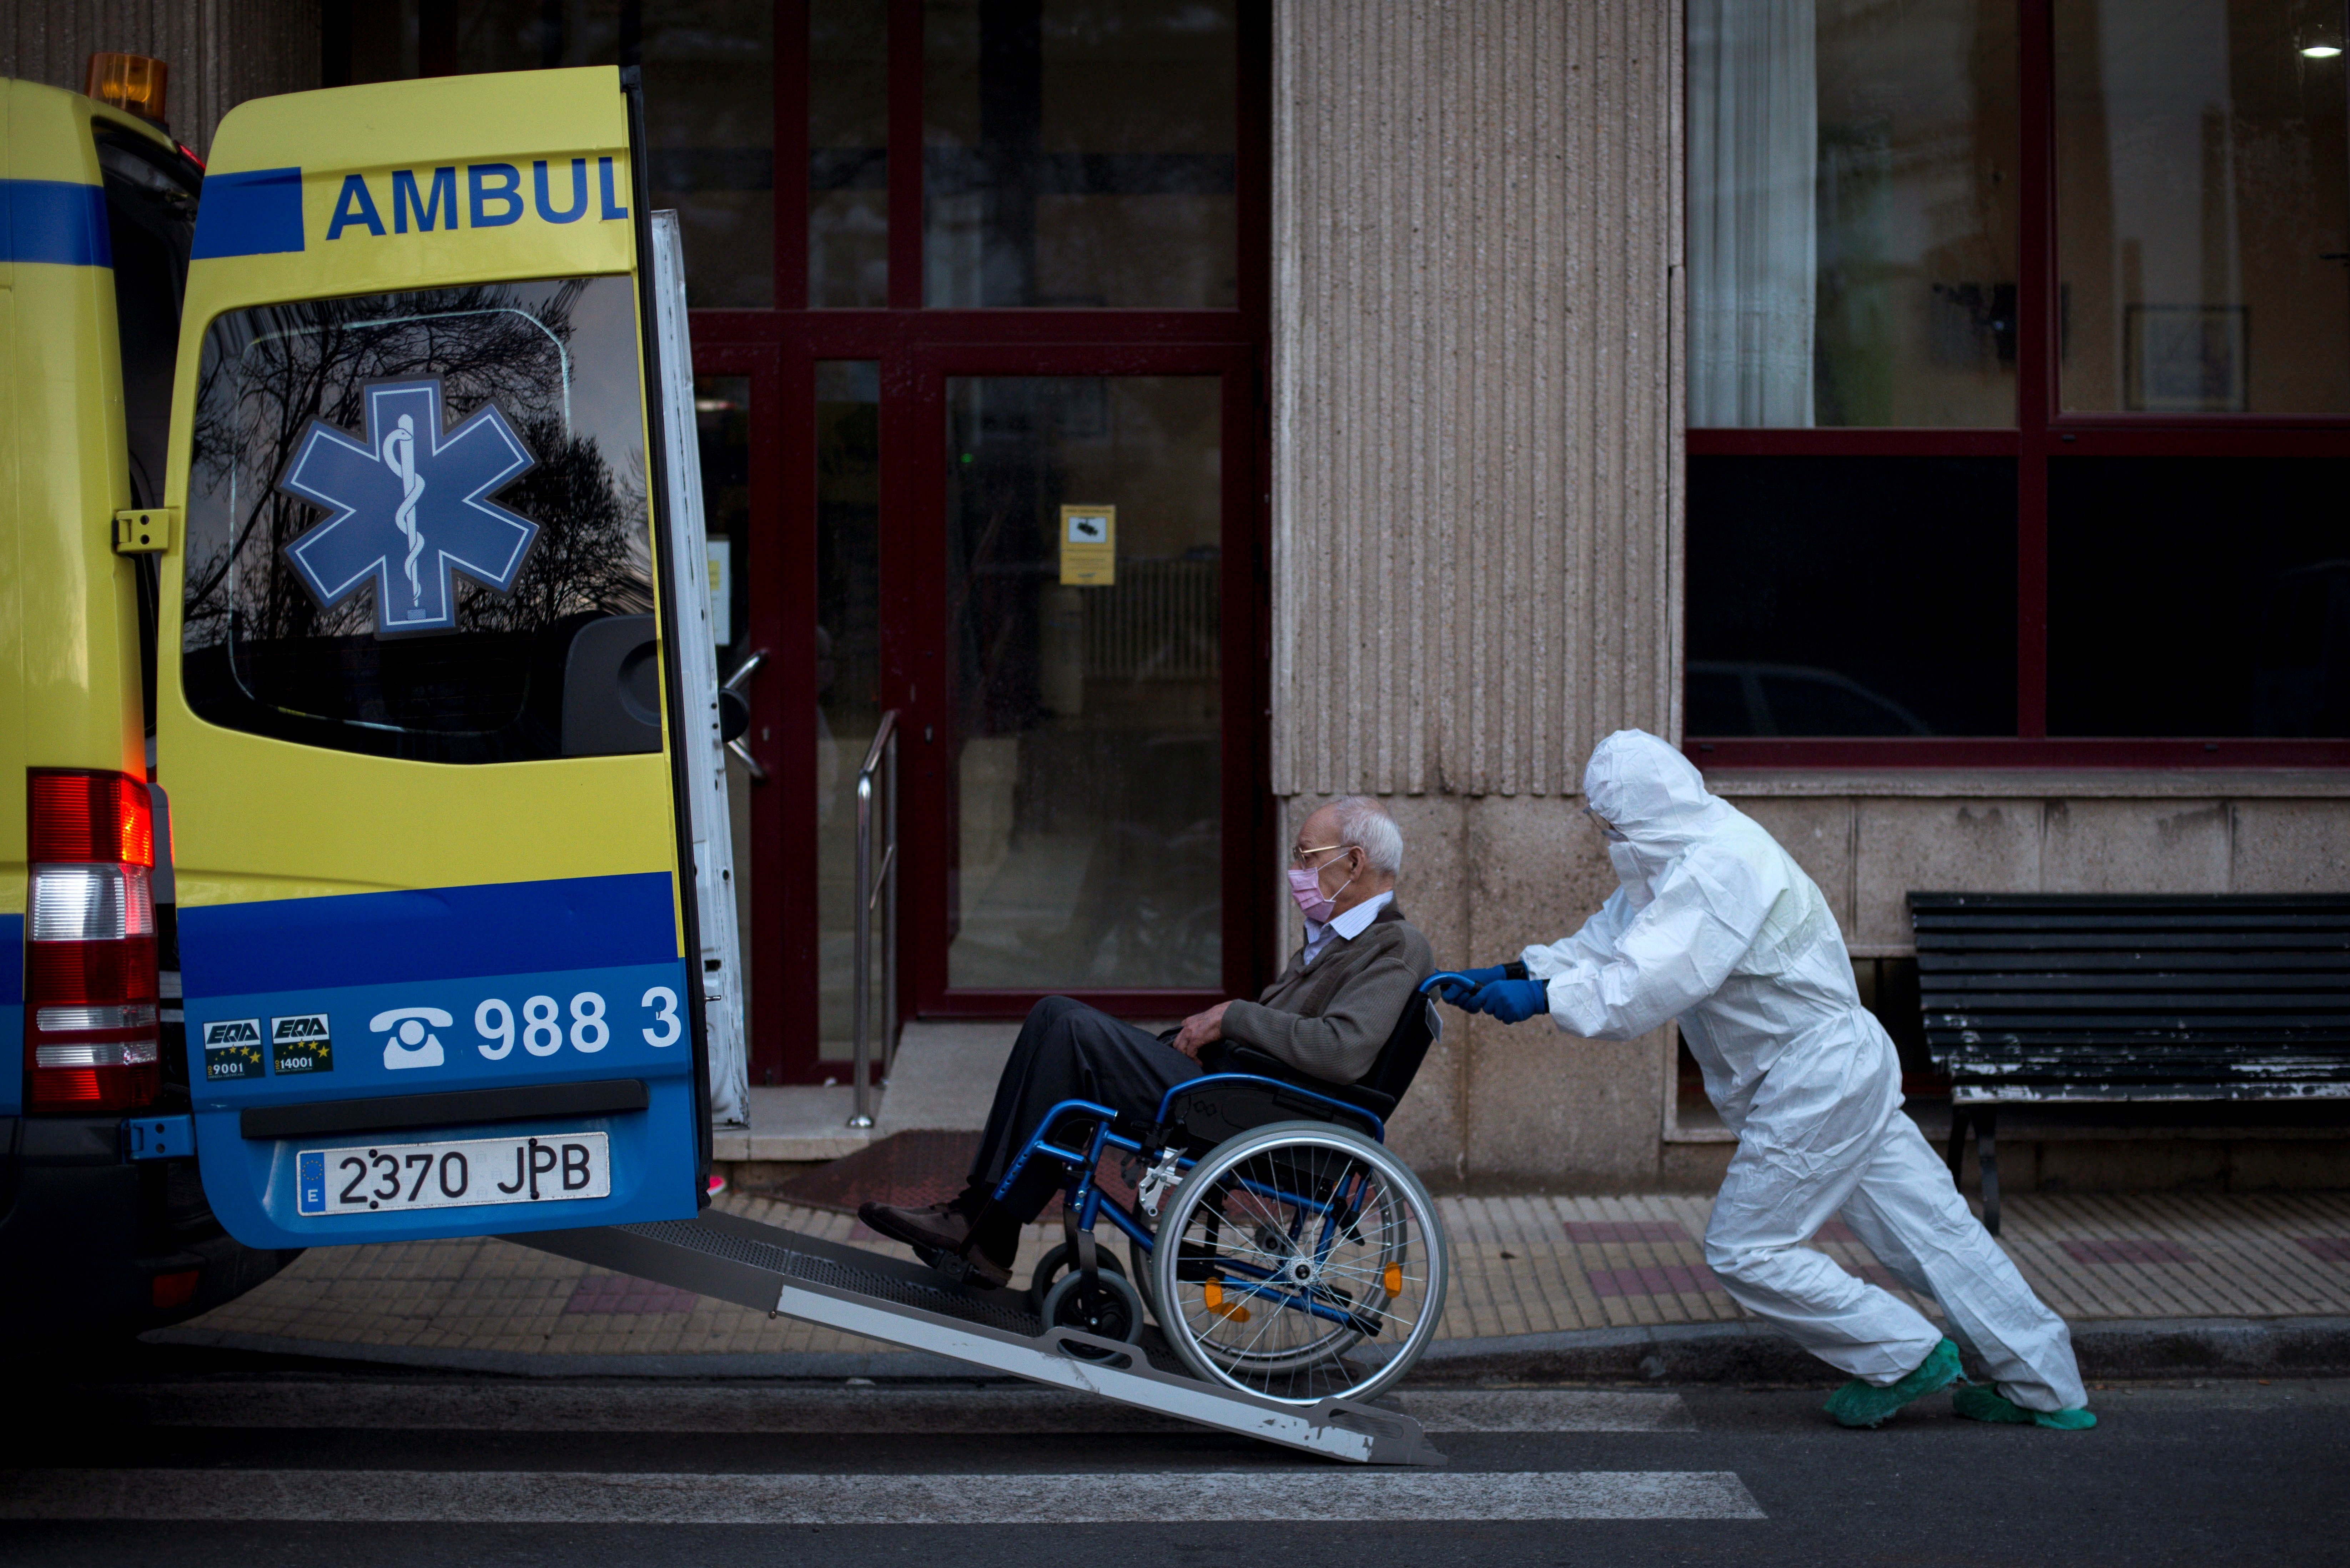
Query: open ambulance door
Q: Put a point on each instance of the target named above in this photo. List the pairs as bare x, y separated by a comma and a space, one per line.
417, 710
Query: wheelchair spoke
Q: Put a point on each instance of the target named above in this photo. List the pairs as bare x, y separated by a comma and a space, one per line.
1294, 1249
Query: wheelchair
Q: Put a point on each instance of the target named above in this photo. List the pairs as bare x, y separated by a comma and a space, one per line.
1282, 1250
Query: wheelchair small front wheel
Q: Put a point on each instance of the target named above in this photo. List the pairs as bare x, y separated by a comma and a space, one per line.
1299, 1262
1111, 1309
1060, 1260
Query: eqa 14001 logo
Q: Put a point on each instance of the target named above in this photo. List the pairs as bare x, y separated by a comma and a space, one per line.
301, 1043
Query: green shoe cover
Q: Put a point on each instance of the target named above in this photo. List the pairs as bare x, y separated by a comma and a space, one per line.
1860, 1403
1977, 1403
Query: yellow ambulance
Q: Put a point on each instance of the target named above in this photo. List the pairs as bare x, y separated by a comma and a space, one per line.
349, 885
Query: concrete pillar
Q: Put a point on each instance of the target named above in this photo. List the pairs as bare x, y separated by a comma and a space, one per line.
220, 52
1476, 503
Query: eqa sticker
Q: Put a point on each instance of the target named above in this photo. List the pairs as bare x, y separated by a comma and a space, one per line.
301, 1044
233, 1049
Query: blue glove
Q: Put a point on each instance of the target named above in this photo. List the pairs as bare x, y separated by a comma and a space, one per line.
1511, 1000
1458, 985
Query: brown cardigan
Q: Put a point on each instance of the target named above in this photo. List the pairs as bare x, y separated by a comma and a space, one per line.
1330, 1021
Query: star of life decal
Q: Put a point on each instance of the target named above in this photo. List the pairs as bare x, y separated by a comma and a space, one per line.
408, 506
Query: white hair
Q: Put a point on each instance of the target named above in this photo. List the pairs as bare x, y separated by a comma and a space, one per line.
1365, 823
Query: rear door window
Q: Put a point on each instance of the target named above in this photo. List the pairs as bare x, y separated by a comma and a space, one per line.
417, 524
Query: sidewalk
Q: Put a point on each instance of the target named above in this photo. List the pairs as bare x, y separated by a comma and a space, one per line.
1540, 1286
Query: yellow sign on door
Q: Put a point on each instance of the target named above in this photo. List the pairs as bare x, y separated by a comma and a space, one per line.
1089, 546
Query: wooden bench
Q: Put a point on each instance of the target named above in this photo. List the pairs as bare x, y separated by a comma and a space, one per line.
2048, 998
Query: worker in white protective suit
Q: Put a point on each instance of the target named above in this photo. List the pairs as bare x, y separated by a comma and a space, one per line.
1717, 925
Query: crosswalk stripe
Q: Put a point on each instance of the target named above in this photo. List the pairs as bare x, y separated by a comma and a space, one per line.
570, 1496
864, 1411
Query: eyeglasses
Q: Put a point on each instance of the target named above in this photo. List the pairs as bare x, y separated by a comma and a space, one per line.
1297, 856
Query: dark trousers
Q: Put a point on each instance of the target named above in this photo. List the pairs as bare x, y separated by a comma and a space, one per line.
1067, 1051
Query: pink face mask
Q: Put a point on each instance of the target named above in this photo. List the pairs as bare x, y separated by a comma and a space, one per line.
1305, 887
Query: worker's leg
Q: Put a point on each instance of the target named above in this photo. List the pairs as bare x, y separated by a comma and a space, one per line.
1771, 1203
1906, 1210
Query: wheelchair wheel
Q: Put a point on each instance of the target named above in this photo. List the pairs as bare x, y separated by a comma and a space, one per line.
1112, 1309
1299, 1261
1059, 1261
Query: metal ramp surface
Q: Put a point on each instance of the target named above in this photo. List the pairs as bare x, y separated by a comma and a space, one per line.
904, 1303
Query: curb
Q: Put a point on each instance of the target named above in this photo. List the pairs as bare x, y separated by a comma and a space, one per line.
1726, 1352
1742, 1352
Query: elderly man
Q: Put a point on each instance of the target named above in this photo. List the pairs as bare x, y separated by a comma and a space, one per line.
1327, 1016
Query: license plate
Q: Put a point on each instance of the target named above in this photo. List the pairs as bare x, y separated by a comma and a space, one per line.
396, 1177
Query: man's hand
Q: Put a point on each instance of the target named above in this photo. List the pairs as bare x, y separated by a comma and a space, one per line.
1200, 1031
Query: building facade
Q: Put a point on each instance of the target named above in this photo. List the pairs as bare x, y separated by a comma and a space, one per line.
1927, 414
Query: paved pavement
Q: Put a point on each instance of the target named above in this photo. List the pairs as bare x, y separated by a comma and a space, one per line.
1534, 1267
199, 1460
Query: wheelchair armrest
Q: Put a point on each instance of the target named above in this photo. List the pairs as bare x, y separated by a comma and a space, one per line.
1228, 1057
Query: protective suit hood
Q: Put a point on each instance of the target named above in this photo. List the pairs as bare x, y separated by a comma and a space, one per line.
1656, 799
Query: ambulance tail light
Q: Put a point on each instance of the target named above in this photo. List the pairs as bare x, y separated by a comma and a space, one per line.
133, 83
90, 997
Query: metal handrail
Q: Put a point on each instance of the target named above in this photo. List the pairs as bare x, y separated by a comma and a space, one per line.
876, 882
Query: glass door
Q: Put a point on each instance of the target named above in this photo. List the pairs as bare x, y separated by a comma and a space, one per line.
1084, 796
1083, 541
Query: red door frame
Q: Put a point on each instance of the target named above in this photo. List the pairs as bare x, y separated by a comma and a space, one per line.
916, 349
2044, 433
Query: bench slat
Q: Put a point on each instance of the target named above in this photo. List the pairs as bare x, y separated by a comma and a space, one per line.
2085, 996
2337, 962
2149, 941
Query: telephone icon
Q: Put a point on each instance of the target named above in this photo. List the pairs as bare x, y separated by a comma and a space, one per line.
410, 1046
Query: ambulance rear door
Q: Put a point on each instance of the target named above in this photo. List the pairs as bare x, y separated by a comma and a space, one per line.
416, 715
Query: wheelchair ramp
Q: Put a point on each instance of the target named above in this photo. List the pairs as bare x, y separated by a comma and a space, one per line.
902, 1302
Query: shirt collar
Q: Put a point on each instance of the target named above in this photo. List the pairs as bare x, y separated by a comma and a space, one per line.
1351, 924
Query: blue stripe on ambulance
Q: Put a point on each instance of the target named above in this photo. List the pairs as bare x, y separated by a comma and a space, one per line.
255, 214
54, 221
373, 995
12, 1012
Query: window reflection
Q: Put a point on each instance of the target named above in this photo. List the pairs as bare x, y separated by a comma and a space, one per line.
1087, 716
1079, 152
1851, 596
2198, 597
710, 106
2203, 228
848, 152
1852, 212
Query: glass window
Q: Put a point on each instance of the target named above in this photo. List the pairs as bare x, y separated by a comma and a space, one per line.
1852, 212
2198, 597
2203, 227
515, 533
1851, 596
848, 152
848, 667
710, 114
1079, 152
1084, 530
710, 109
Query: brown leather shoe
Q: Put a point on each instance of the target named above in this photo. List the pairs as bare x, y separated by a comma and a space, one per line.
938, 1235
